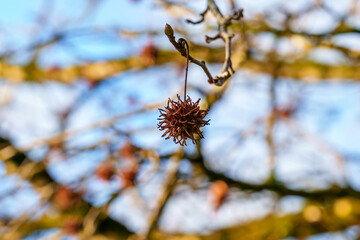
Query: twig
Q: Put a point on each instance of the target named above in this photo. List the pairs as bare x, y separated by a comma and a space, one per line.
271, 119
210, 39
202, 17
169, 32
223, 23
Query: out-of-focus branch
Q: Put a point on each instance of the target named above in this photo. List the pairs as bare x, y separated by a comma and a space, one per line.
36, 173
62, 136
98, 71
275, 186
278, 226
165, 194
271, 119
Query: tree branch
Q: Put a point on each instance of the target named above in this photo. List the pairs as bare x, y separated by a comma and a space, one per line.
223, 23
274, 185
165, 195
201, 19
169, 32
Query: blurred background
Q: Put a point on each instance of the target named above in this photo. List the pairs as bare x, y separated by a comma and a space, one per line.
82, 158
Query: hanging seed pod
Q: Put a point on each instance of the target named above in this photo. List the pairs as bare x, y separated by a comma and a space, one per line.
182, 119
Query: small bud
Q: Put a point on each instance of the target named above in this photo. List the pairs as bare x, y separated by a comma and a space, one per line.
168, 30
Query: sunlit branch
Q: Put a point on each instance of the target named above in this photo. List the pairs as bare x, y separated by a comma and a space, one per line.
223, 23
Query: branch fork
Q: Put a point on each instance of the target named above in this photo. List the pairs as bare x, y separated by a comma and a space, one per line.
180, 46
223, 23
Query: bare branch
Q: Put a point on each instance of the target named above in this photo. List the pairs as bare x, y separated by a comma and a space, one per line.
236, 16
210, 39
223, 22
202, 17
169, 32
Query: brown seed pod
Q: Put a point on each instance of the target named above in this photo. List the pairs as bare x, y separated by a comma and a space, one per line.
128, 150
218, 191
105, 171
149, 53
65, 198
73, 226
128, 176
182, 120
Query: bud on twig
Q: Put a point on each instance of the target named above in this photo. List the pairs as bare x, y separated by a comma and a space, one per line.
168, 30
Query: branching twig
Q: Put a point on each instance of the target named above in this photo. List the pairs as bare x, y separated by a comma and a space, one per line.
202, 17
169, 32
223, 23
210, 39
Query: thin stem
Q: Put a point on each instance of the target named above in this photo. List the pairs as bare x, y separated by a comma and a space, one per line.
187, 64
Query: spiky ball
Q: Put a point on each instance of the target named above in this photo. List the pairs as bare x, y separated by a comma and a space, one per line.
182, 119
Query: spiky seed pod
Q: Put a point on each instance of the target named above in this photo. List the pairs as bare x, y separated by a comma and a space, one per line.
182, 120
